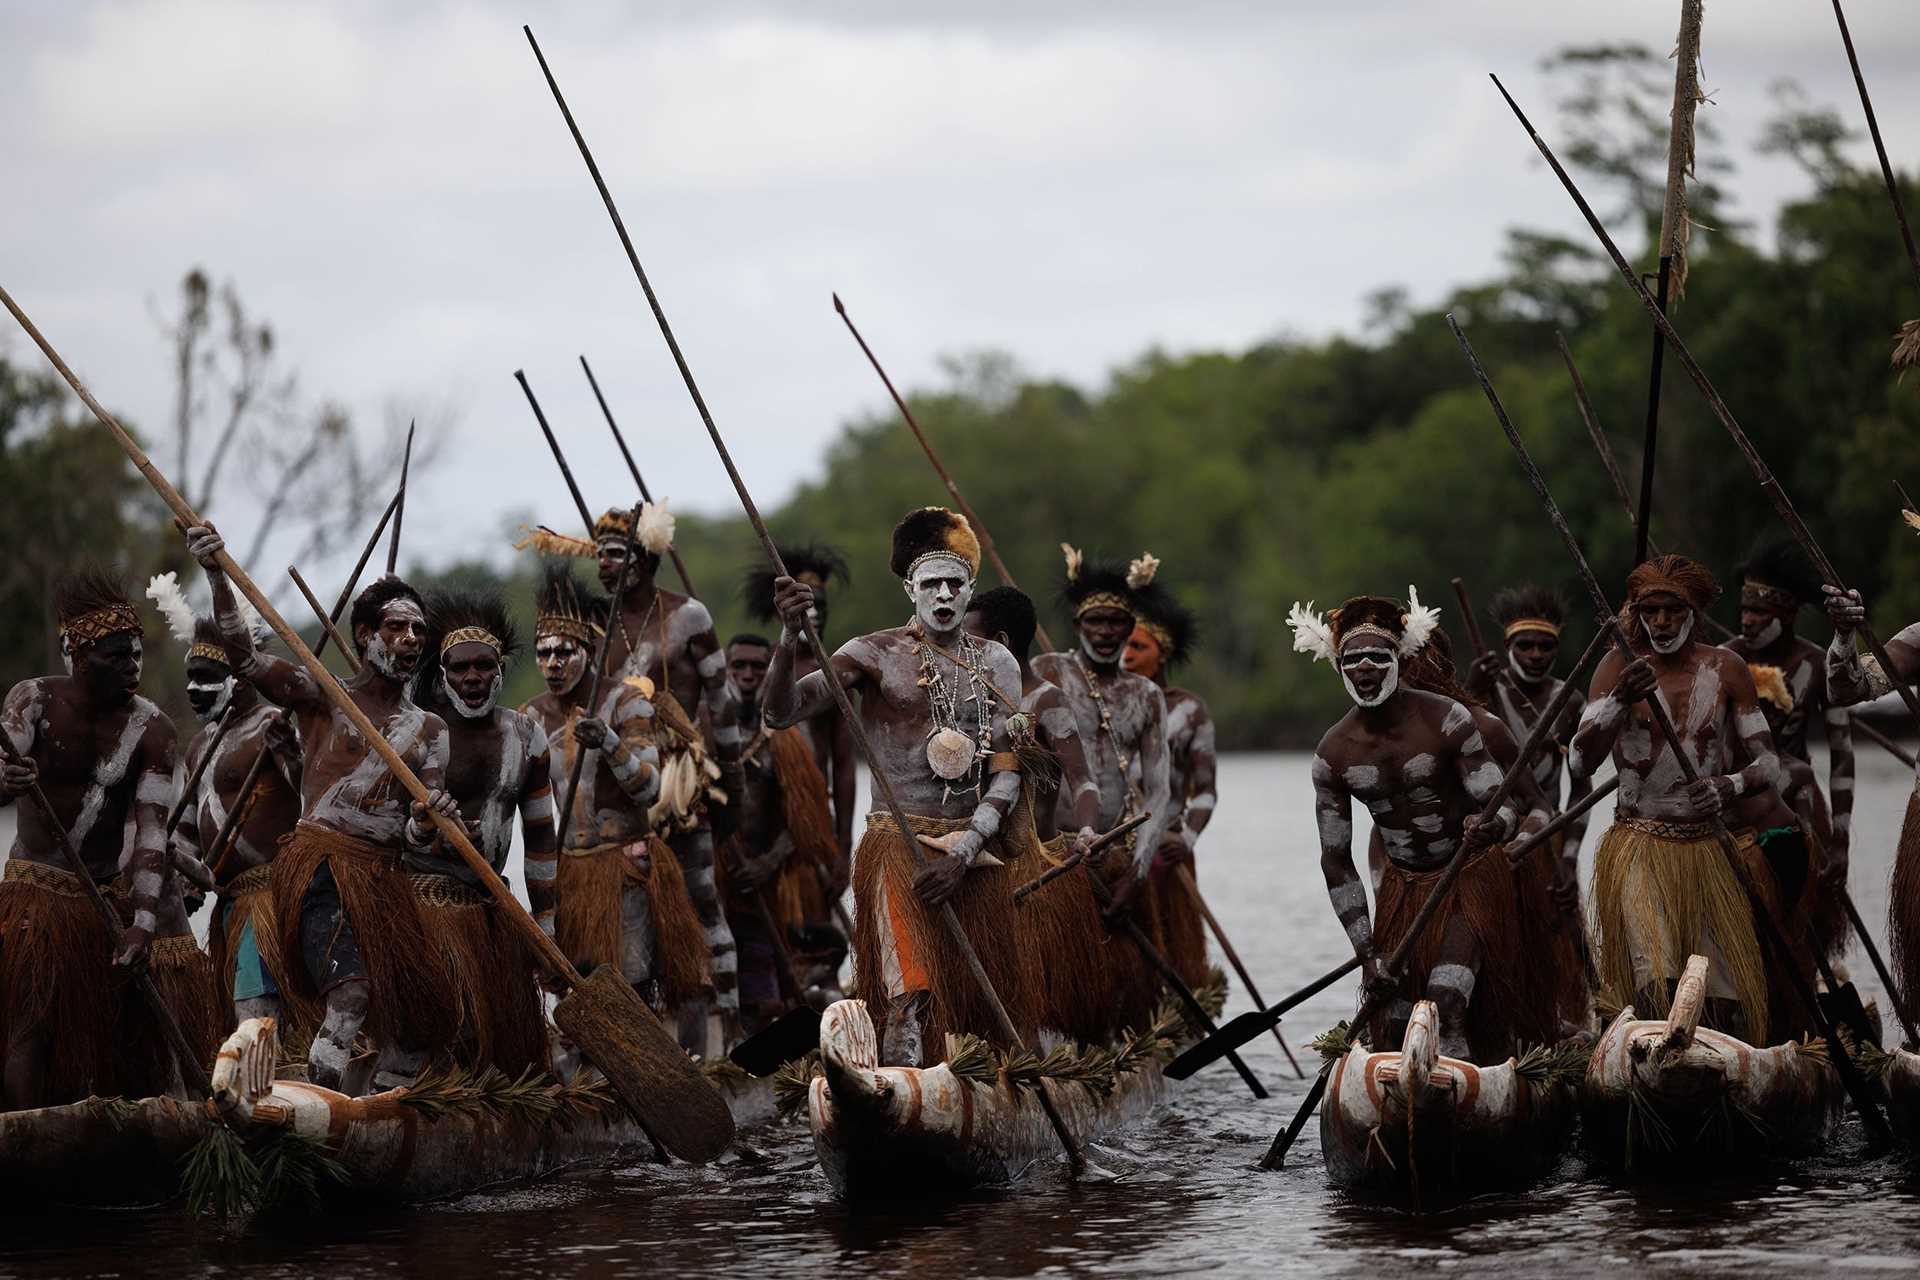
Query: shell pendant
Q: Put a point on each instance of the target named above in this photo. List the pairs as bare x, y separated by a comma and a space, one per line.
950, 753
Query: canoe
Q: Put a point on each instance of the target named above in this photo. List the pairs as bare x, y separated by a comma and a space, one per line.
881, 1132
447, 1136
1416, 1126
1669, 1093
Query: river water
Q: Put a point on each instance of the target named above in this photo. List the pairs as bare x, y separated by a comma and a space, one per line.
1185, 1195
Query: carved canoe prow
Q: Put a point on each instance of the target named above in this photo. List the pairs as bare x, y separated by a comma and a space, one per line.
1669, 1092
1432, 1129
883, 1131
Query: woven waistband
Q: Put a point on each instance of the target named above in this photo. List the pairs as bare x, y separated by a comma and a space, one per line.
252, 880
445, 891
1434, 873
602, 850
1663, 829
42, 876
922, 826
174, 951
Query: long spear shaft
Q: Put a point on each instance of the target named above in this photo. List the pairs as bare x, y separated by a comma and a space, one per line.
1863, 726
882, 784
593, 690
1771, 934
400, 506
192, 789
646, 495
1879, 147
1769, 484
1467, 618
1537, 737
192, 1070
959, 499
566, 472
1562, 820
327, 629
359, 566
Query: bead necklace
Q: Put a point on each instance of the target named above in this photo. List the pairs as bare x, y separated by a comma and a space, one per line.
951, 753
1106, 727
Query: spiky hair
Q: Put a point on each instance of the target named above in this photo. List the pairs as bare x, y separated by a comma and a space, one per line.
928, 530
1784, 567
1008, 611
565, 606
371, 605
1511, 604
1174, 625
91, 603
451, 609
803, 559
1688, 579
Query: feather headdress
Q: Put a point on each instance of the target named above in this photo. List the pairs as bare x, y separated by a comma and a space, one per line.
1421, 622
1409, 627
546, 542
1140, 572
1911, 517
164, 590
654, 530
1311, 634
1074, 560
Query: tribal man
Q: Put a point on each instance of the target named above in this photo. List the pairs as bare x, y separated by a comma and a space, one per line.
103, 755
497, 767
779, 861
927, 700
1122, 723
1163, 637
619, 895
1423, 768
1776, 582
356, 946
1662, 889
1070, 974
241, 934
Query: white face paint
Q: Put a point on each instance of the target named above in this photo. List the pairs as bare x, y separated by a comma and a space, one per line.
1673, 645
1365, 658
562, 662
470, 710
940, 588
384, 659
215, 695
1768, 634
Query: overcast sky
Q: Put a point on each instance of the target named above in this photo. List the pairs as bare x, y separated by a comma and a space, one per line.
393, 188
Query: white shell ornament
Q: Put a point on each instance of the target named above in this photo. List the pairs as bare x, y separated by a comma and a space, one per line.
950, 754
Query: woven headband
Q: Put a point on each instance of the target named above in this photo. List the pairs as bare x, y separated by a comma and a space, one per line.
464, 634
1371, 629
574, 628
1752, 592
1102, 600
1518, 625
208, 650
1160, 634
938, 553
99, 624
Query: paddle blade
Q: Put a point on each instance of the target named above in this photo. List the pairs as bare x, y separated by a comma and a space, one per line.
1250, 1025
793, 1036
1843, 1007
659, 1084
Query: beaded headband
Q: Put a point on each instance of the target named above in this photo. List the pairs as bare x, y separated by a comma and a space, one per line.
1161, 636
99, 624
573, 627
205, 649
938, 553
463, 635
1752, 592
1518, 625
1369, 629
1103, 600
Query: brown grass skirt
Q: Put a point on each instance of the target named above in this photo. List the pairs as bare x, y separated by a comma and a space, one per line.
1178, 928
57, 981
1903, 903
929, 956
190, 989
413, 1006
492, 969
1062, 944
586, 922
798, 895
1513, 989
1554, 936
1137, 986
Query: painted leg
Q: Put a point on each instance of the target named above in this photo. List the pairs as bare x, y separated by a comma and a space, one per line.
1450, 986
256, 1007
347, 1006
397, 1068
695, 851
904, 1043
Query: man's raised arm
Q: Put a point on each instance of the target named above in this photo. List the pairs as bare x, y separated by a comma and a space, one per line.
278, 680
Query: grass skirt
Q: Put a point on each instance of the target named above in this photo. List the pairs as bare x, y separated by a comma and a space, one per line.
490, 966
588, 889
1903, 902
1062, 945
57, 981
189, 987
799, 896
929, 958
1178, 928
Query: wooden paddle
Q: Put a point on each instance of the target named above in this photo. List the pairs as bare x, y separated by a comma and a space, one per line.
1184, 874
882, 785
601, 1013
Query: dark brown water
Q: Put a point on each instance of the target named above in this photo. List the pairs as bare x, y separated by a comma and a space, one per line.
1183, 1196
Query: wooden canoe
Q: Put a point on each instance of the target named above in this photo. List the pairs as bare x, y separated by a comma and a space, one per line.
884, 1132
1669, 1093
446, 1138
1432, 1130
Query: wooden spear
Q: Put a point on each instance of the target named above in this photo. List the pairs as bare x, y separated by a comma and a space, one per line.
882, 785
566, 472
1771, 934
646, 495
359, 566
399, 507
1906, 349
593, 689
946, 477
326, 624
601, 1013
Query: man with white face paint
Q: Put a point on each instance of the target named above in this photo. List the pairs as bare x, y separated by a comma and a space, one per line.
356, 950
1122, 722
497, 768
935, 702
103, 755
1423, 768
244, 954
1662, 889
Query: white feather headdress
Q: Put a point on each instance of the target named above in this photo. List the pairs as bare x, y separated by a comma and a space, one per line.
1421, 623
1311, 634
1074, 559
654, 529
1140, 572
164, 590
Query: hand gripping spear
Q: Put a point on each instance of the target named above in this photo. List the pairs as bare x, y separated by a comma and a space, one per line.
679, 565
959, 500
1377, 993
601, 1013
882, 785
1771, 934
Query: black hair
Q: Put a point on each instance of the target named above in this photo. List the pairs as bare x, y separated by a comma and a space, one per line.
1510, 604
1008, 610
450, 609
1783, 566
86, 590
748, 637
371, 605
801, 559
